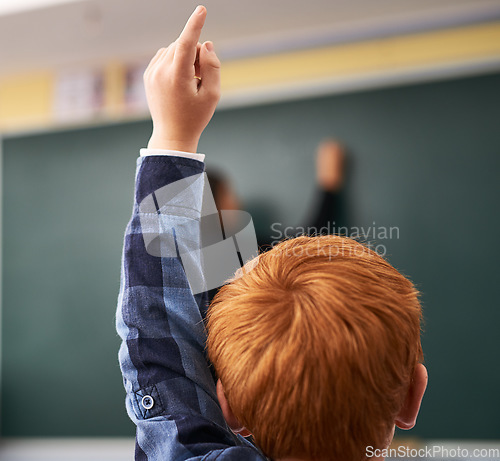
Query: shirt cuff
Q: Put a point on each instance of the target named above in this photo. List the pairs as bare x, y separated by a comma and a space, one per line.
177, 153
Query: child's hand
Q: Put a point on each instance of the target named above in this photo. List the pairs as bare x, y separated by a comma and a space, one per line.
180, 104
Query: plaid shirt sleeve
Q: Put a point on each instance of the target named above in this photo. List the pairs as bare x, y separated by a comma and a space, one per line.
170, 391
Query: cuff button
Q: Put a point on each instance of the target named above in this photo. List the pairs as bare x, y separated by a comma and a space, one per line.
147, 402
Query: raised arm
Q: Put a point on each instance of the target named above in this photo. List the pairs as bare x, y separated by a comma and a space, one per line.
171, 394
183, 87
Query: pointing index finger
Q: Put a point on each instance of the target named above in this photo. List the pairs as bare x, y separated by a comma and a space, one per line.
185, 52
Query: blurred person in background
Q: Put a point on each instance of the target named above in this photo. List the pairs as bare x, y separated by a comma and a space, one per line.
327, 213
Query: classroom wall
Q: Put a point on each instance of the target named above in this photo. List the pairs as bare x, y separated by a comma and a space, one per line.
101, 92
424, 158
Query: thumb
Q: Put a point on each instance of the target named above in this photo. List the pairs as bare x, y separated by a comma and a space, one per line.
209, 70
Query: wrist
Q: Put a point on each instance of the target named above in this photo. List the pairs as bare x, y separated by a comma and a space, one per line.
158, 141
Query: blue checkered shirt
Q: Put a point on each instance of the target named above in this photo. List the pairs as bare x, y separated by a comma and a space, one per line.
171, 394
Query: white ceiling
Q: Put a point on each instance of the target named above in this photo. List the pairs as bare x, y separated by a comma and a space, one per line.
16, 6
93, 31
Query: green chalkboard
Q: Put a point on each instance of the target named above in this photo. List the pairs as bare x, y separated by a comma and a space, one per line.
425, 159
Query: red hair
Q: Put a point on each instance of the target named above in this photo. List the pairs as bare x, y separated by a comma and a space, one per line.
315, 347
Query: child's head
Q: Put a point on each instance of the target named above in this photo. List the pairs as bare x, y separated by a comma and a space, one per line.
316, 346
